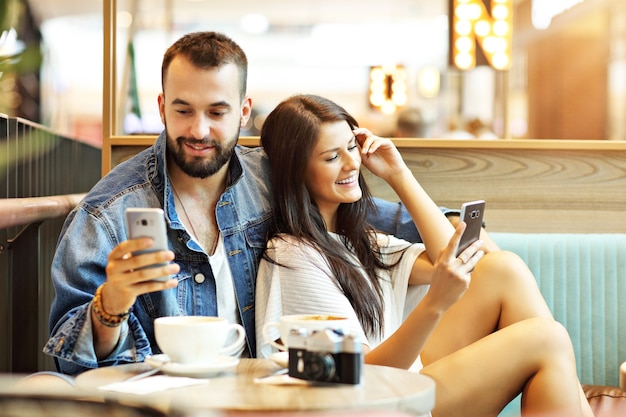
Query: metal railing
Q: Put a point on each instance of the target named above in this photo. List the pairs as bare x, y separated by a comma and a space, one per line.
42, 177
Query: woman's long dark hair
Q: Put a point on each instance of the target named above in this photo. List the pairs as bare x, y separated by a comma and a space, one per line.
289, 134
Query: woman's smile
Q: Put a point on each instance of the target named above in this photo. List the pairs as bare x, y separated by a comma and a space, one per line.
348, 181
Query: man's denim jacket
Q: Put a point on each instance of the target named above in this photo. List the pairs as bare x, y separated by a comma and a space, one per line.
97, 225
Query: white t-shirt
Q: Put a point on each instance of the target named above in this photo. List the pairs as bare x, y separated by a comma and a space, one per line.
301, 283
225, 291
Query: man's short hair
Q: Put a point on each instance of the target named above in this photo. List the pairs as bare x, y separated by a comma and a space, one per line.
208, 50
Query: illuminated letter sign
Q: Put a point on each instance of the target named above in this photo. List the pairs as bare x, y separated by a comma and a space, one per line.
471, 24
388, 87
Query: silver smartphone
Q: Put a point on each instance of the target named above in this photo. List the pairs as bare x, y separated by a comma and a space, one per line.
148, 222
472, 215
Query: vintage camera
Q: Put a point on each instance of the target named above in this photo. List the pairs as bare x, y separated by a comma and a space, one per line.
325, 356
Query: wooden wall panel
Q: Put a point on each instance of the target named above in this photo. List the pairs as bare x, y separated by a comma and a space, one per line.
527, 190
529, 185
567, 81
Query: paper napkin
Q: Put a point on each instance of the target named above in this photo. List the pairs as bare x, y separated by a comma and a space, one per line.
152, 384
283, 379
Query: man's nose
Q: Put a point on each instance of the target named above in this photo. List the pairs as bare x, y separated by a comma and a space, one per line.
200, 127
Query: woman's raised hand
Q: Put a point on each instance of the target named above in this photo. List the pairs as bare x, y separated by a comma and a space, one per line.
380, 155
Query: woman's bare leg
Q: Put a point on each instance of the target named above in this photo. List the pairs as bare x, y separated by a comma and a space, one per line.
503, 291
47, 382
533, 356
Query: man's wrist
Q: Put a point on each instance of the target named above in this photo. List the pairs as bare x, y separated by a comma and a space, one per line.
109, 320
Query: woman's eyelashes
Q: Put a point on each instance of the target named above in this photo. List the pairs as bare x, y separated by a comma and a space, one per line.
352, 145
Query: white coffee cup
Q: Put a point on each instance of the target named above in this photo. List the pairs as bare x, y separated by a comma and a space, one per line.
310, 322
196, 339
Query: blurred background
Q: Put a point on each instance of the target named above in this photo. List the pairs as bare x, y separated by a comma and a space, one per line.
567, 79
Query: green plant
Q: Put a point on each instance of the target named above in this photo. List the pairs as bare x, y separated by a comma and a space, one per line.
15, 56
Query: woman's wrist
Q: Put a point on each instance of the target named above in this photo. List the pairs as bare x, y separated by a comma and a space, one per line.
402, 180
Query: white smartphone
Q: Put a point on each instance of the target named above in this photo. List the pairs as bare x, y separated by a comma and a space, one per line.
472, 215
148, 222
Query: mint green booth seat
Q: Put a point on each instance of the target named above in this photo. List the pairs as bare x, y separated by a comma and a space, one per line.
583, 279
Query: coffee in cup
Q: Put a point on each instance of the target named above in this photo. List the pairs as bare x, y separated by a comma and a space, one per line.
309, 322
196, 339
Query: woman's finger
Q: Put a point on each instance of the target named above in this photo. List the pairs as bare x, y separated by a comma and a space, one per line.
449, 252
470, 251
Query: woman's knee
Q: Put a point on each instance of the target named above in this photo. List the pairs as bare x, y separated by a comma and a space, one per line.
548, 337
501, 272
47, 381
505, 266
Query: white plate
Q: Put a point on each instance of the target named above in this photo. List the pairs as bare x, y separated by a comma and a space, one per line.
220, 364
281, 359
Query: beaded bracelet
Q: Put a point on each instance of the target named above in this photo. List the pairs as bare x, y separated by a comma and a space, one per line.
109, 320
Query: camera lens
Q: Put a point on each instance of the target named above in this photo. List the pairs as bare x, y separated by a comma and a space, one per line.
144, 222
321, 367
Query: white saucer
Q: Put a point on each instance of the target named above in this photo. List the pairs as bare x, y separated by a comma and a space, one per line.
220, 364
281, 359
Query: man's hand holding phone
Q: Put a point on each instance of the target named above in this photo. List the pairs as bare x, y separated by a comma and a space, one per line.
141, 264
148, 222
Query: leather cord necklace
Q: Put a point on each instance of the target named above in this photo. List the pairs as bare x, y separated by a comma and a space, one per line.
193, 230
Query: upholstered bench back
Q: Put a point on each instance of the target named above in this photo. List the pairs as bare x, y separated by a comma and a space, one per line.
583, 279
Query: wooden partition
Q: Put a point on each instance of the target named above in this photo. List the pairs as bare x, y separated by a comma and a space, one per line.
529, 185
43, 175
27, 293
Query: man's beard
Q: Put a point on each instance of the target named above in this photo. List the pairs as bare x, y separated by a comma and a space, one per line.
200, 167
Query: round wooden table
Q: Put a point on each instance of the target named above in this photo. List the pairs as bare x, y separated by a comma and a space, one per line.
382, 388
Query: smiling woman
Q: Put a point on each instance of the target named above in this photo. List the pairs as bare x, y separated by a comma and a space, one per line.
332, 172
